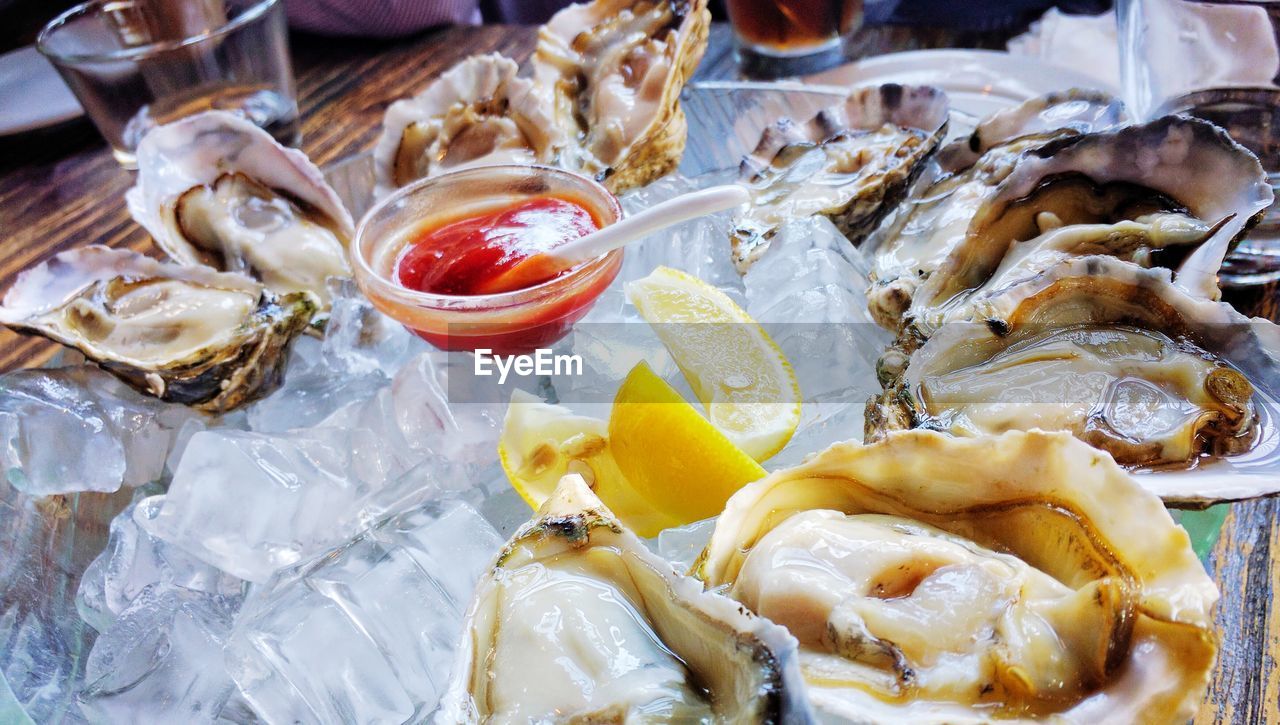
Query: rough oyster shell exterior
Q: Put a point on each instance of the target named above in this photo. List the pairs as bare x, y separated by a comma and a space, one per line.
198, 151
882, 134
745, 663
237, 366
574, 64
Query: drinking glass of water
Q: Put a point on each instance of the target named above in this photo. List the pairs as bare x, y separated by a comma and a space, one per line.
1218, 60
136, 64
776, 38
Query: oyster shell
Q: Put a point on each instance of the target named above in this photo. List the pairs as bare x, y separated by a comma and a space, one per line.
578, 622
1113, 353
190, 335
932, 579
1075, 109
214, 189
478, 112
851, 162
613, 70
931, 226
1107, 179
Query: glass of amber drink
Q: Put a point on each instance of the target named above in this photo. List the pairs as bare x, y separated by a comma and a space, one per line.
779, 38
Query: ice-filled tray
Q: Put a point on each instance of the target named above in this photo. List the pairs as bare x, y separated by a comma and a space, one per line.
318, 548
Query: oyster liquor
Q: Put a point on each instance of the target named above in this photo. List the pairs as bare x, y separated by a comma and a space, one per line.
540, 362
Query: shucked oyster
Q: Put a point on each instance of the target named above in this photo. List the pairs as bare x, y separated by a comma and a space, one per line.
1109, 192
1075, 109
613, 70
477, 112
578, 622
1113, 353
930, 227
214, 189
184, 334
939, 580
852, 162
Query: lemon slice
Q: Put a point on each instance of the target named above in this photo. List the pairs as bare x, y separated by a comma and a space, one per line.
738, 373
542, 442
671, 456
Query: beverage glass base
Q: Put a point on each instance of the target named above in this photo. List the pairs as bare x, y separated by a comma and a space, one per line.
138, 64
766, 63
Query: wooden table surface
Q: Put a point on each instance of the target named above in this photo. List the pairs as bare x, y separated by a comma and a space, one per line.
61, 188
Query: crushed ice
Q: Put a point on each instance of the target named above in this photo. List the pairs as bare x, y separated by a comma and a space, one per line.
312, 556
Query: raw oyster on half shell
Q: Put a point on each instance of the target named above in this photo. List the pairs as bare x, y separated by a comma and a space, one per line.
614, 70
1135, 193
1077, 110
578, 622
214, 189
1115, 354
852, 162
478, 112
932, 579
190, 335
931, 225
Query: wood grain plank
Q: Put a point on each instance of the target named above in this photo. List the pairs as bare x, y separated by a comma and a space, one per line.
1246, 563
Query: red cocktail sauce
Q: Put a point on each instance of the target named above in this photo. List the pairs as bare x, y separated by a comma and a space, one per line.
458, 256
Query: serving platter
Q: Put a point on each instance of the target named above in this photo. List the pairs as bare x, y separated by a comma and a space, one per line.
58, 538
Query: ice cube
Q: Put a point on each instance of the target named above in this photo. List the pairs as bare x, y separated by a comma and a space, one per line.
451, 420
250, 503
134, 560
809, 291
359, 339
822, 423
699, 246
505, 509
682, 545
807, 257
608, 352
44, 545
180, 440
118, 436
161, 660
366, 632
312, 390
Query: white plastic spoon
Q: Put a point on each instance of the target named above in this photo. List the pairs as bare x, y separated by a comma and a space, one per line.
545, 265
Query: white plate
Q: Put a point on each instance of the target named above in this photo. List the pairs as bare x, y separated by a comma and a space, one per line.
33, 92
978, 82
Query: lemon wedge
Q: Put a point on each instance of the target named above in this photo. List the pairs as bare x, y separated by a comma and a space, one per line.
542, 442
739, 374
670, 455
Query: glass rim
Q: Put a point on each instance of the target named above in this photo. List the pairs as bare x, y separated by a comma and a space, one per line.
363, 267
248, 15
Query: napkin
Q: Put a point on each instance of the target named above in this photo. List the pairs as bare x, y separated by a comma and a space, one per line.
1084, 43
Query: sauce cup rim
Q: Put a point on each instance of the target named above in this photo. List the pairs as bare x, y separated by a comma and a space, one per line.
364, 270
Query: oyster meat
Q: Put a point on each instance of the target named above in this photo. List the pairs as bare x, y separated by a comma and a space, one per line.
1113, 353
1129, 192
929, 227
478, 112
932, 579
214, 189
851, 162
613, 70
578, 622
190, 335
